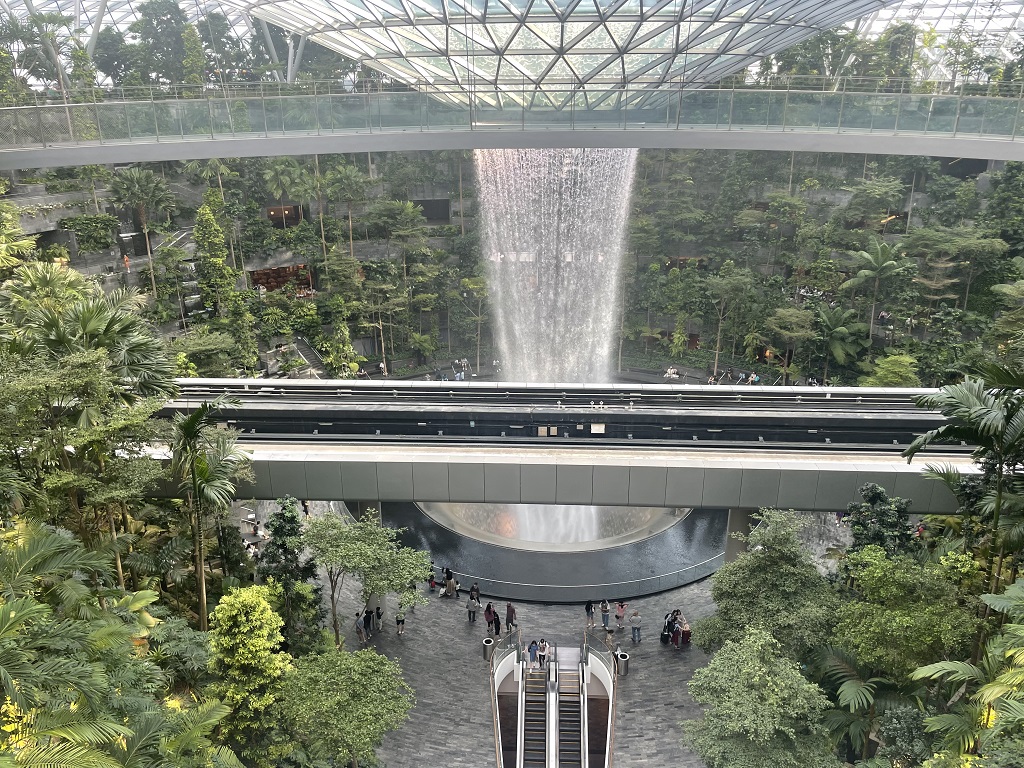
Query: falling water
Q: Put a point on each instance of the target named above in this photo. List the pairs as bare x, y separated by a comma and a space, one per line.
554, 229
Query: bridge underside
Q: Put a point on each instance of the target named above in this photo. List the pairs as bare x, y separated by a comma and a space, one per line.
198, 148
615, 476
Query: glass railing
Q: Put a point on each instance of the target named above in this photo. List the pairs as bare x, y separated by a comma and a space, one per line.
184, 113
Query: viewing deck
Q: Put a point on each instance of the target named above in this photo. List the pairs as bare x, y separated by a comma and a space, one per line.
257, 119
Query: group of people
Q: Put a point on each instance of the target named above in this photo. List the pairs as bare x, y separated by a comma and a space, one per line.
449, 586
676, 630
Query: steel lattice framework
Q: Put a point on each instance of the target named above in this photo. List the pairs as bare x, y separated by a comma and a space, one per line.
476, 44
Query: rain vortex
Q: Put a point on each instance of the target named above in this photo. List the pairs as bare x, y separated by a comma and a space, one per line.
555, 223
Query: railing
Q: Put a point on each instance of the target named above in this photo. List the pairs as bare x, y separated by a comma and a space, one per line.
520, 719
546, 593
551, 738
178, 114
589, 650
584, 714
510, 643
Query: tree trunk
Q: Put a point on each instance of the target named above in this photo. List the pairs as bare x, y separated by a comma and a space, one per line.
351, 247
149, 256
332, 578
479, 329
117, 551
462, 202
718, 342
871, 320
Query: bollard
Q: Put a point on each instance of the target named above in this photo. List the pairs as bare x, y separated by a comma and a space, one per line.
488, 648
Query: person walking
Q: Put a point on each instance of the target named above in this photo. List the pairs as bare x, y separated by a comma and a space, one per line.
360, 632
542, 652
533, 653
510, 616
400, 620
634, 623
605, 613
489, 617
474, 591
589, 608
620, 613
472, 606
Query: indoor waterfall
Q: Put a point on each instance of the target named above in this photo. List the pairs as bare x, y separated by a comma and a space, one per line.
554, 229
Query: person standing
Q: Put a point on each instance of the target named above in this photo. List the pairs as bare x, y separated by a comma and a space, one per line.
368, 623
589, 608
605, 613
497, 624
360, 632
378, 619
489, 617
472, 606
685, 633
533, 653
620, 613
634, 623
400, 620
542, 651
677, 632
510, 616
474, 591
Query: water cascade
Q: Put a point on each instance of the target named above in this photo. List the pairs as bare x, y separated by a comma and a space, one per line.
554, 229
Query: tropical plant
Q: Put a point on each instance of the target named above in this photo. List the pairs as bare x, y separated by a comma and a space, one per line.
843, 337
148, 196
206, 461
881, 262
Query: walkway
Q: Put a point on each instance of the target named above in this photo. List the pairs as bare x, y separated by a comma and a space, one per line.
451, 725
256, 120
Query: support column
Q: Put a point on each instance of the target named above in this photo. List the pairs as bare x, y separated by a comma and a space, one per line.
740, 521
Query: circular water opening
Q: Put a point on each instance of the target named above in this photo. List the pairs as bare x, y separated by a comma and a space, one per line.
553, 527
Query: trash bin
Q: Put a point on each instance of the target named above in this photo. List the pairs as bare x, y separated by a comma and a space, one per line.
488, 648
622, 663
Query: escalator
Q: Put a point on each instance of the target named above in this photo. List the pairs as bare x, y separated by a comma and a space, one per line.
535, 720
570, 725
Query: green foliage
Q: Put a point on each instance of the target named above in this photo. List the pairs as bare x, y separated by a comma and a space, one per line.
892, 371
93, 232
759, 709
901, 614
244, 640
340, 705
194, 63
880, 521
773, 586
281, 561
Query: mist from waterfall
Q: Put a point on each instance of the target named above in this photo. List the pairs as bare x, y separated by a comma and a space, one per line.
554, 230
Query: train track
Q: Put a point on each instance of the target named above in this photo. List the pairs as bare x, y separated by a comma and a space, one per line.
642, 416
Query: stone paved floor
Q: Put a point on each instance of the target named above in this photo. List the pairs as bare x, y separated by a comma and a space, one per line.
452, 723
440, 654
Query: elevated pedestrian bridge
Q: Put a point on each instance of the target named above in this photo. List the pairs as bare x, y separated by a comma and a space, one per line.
261, 119
656, 445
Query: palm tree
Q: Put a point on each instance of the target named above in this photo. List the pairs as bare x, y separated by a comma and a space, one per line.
863, 696
881, 262
347, 184
14, 243
147, 194
990, 418
841, 334
280, 176
206, 461
67, 323
995, 682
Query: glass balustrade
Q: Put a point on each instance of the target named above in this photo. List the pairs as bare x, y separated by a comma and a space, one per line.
266, 110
